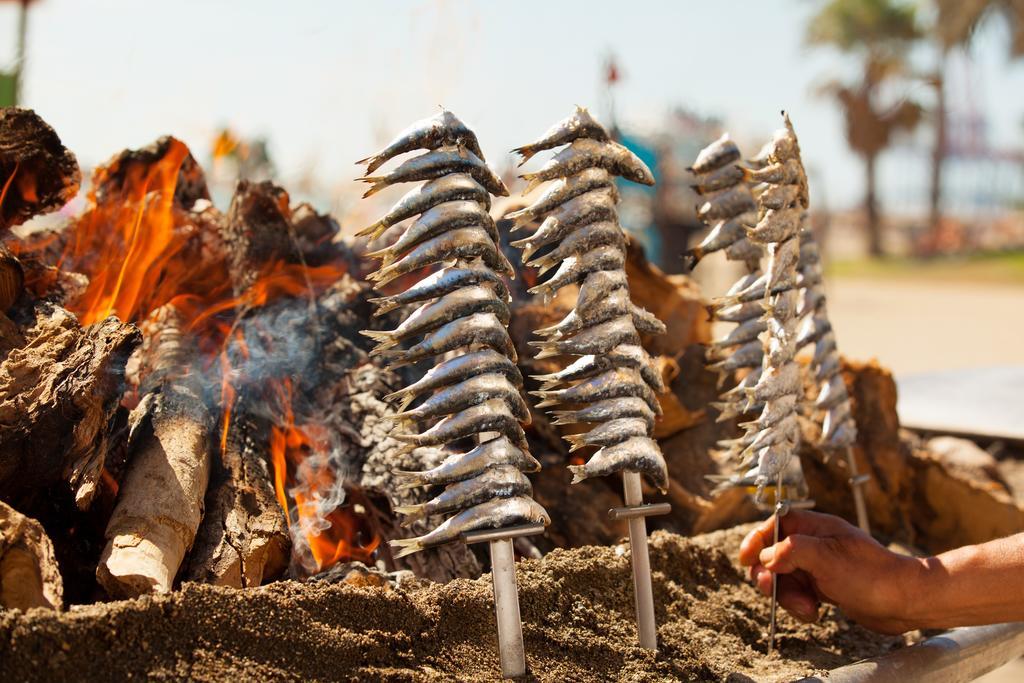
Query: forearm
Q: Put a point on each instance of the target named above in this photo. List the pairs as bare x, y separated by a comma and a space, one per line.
977, 584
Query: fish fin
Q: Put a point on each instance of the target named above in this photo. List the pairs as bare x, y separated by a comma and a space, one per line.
578, 474
406, 546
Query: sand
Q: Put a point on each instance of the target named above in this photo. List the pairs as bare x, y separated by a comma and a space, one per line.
577, 612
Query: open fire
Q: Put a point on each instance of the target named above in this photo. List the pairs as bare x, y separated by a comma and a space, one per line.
149, 239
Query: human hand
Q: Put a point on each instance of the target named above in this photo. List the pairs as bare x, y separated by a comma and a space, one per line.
825, 559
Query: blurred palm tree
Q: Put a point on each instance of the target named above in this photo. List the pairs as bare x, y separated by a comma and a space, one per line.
879, 33
956, 24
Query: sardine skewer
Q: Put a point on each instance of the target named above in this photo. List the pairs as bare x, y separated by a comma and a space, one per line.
615, 388
463, 308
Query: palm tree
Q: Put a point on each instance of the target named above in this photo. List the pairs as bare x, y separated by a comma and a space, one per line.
956, 24
878, 33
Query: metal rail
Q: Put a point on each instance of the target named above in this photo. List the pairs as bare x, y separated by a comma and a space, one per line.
956, 656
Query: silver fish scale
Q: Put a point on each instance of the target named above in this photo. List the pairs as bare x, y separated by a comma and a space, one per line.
623, 434
477, 391
839, 429
738, 349
776, 424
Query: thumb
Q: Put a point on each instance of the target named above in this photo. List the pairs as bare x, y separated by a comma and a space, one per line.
795, 552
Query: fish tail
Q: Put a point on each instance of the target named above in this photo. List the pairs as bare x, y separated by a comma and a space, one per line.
578, 473
383, 276
379, 336
412, 513
372, 162
692, 258
532, 181
526, 152
385, 304
411, 479
549, 352
406, 546
379, 183
373, 231
576, 441
379, 253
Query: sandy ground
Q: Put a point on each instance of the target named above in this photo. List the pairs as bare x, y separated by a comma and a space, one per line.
577, 609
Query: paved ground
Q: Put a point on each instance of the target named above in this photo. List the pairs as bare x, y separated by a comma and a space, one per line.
926, 326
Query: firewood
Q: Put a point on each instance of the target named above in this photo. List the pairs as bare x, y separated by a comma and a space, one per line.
109, 180
243, 540
29, 575
12, 279
257, 231
60, 385
38, 173
161, 499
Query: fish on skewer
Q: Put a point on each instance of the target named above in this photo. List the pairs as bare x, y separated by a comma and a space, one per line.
461, 319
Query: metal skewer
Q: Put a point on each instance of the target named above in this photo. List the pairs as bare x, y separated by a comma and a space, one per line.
511, 650
780, 510
857, 482
635, 512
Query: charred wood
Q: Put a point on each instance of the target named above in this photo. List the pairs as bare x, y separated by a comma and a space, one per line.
60, 385
37, 173
243, 540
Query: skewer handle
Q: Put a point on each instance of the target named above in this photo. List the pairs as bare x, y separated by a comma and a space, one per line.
642, 589
506, 609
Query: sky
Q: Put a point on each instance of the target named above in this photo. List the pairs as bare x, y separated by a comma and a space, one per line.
328, 82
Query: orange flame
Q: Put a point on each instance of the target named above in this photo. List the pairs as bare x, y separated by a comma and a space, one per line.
291, 445
141, 250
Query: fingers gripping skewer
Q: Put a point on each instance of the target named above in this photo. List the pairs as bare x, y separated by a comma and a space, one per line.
782, 508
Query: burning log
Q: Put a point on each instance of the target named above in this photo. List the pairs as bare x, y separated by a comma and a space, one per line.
29, 576
161, 499
60, 385
37, 173
243, 540
122, 173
